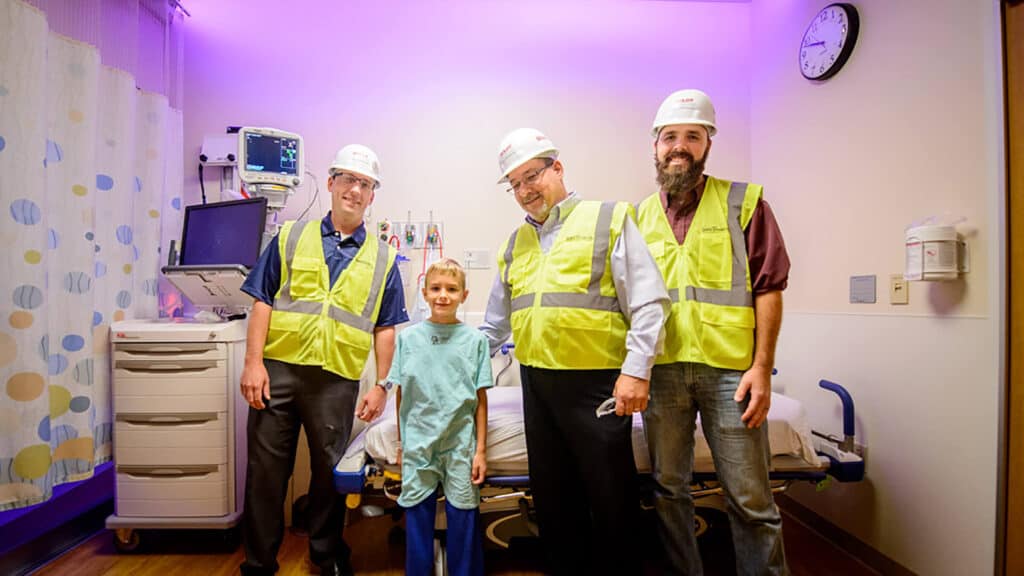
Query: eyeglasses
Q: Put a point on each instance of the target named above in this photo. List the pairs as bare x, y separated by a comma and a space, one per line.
529, 179
349, 181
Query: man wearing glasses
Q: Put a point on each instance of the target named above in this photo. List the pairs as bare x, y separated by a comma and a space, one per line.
722, 255
584, 302
324, 293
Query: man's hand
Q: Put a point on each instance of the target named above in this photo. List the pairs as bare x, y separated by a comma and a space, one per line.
479, 468
631, 394
255, 384
372, 404
758, 382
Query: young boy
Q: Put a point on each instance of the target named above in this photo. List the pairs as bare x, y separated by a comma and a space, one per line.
442, 368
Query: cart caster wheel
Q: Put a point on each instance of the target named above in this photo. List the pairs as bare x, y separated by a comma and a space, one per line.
126, 540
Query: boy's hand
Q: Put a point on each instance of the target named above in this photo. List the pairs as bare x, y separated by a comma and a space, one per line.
372, 404
479, 468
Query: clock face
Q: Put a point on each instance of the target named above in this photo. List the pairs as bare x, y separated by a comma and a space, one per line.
828, 41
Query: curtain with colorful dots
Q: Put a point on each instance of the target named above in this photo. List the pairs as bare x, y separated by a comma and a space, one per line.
84, 158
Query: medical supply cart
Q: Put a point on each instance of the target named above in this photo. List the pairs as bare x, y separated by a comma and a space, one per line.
179, 426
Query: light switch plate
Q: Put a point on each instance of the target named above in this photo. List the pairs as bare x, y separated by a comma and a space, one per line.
899, 290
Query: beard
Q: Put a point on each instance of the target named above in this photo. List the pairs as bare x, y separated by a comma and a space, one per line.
541, 213
676, 183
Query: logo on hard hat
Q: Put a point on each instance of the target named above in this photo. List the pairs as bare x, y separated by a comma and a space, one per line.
686, 99
540, 137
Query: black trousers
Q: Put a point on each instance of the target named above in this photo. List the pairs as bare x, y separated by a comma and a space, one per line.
325, 404
582, 473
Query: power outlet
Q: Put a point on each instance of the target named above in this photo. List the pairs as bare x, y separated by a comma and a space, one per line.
899, 290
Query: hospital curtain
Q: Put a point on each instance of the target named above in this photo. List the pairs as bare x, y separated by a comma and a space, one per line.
90, 185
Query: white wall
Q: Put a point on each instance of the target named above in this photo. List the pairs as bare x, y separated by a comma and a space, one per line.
432, 86
911, 127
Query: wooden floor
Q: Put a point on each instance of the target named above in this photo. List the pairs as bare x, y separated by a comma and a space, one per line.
378, 549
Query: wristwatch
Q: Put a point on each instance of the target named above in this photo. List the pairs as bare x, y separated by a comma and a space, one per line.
385, 384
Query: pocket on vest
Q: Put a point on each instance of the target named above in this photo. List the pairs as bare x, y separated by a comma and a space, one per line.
715, 260
564, 271
729, 316
305, 278
284, 322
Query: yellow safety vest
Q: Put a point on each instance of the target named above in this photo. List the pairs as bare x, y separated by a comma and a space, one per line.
316, 324
565, 312
708, 276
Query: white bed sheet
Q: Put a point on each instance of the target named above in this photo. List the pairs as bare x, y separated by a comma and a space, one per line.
789, 435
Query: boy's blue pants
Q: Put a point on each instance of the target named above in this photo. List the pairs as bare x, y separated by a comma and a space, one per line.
464, 546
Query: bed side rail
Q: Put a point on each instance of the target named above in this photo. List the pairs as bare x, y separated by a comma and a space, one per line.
845, 464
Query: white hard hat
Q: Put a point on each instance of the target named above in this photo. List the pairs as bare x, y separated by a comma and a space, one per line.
520, 146
359, 159
686, 107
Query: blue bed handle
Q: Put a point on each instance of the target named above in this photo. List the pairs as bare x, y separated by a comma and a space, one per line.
507, 347
847, 400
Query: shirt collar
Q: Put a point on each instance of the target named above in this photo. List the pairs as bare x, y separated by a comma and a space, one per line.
327, 229
559, 212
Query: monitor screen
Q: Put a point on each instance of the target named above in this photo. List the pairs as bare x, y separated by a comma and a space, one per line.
274, 154
223, 233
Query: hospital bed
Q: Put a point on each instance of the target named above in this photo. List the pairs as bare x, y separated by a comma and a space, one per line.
797, 453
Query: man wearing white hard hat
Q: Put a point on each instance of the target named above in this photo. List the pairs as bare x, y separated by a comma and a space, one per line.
584, 303
725, 264
324, 292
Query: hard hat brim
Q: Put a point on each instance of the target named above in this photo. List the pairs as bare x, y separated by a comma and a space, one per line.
551, 153
712, 129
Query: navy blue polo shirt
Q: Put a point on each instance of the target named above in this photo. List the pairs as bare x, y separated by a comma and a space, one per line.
264, 279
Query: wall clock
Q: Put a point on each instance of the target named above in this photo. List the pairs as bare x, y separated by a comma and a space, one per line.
828, 41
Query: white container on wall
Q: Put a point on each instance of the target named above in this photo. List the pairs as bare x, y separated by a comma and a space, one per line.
934, 252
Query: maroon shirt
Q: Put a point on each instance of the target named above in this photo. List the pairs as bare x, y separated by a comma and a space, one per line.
766, 251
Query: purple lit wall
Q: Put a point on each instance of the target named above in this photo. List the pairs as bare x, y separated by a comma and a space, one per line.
432, 86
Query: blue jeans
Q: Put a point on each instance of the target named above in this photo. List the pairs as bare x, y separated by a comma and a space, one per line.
678, 392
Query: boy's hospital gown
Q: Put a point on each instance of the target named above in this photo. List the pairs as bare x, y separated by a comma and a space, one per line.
440, 367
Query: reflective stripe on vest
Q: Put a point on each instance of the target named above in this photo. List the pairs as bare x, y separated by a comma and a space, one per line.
315, 322
711, 320
365, 322
739, 295
593, 299
564, 312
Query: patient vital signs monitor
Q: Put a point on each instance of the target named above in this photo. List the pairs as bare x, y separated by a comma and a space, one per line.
270, 163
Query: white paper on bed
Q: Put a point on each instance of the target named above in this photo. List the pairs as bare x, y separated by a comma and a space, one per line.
789, 434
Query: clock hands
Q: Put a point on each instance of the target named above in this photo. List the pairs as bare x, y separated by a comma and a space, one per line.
818, 43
